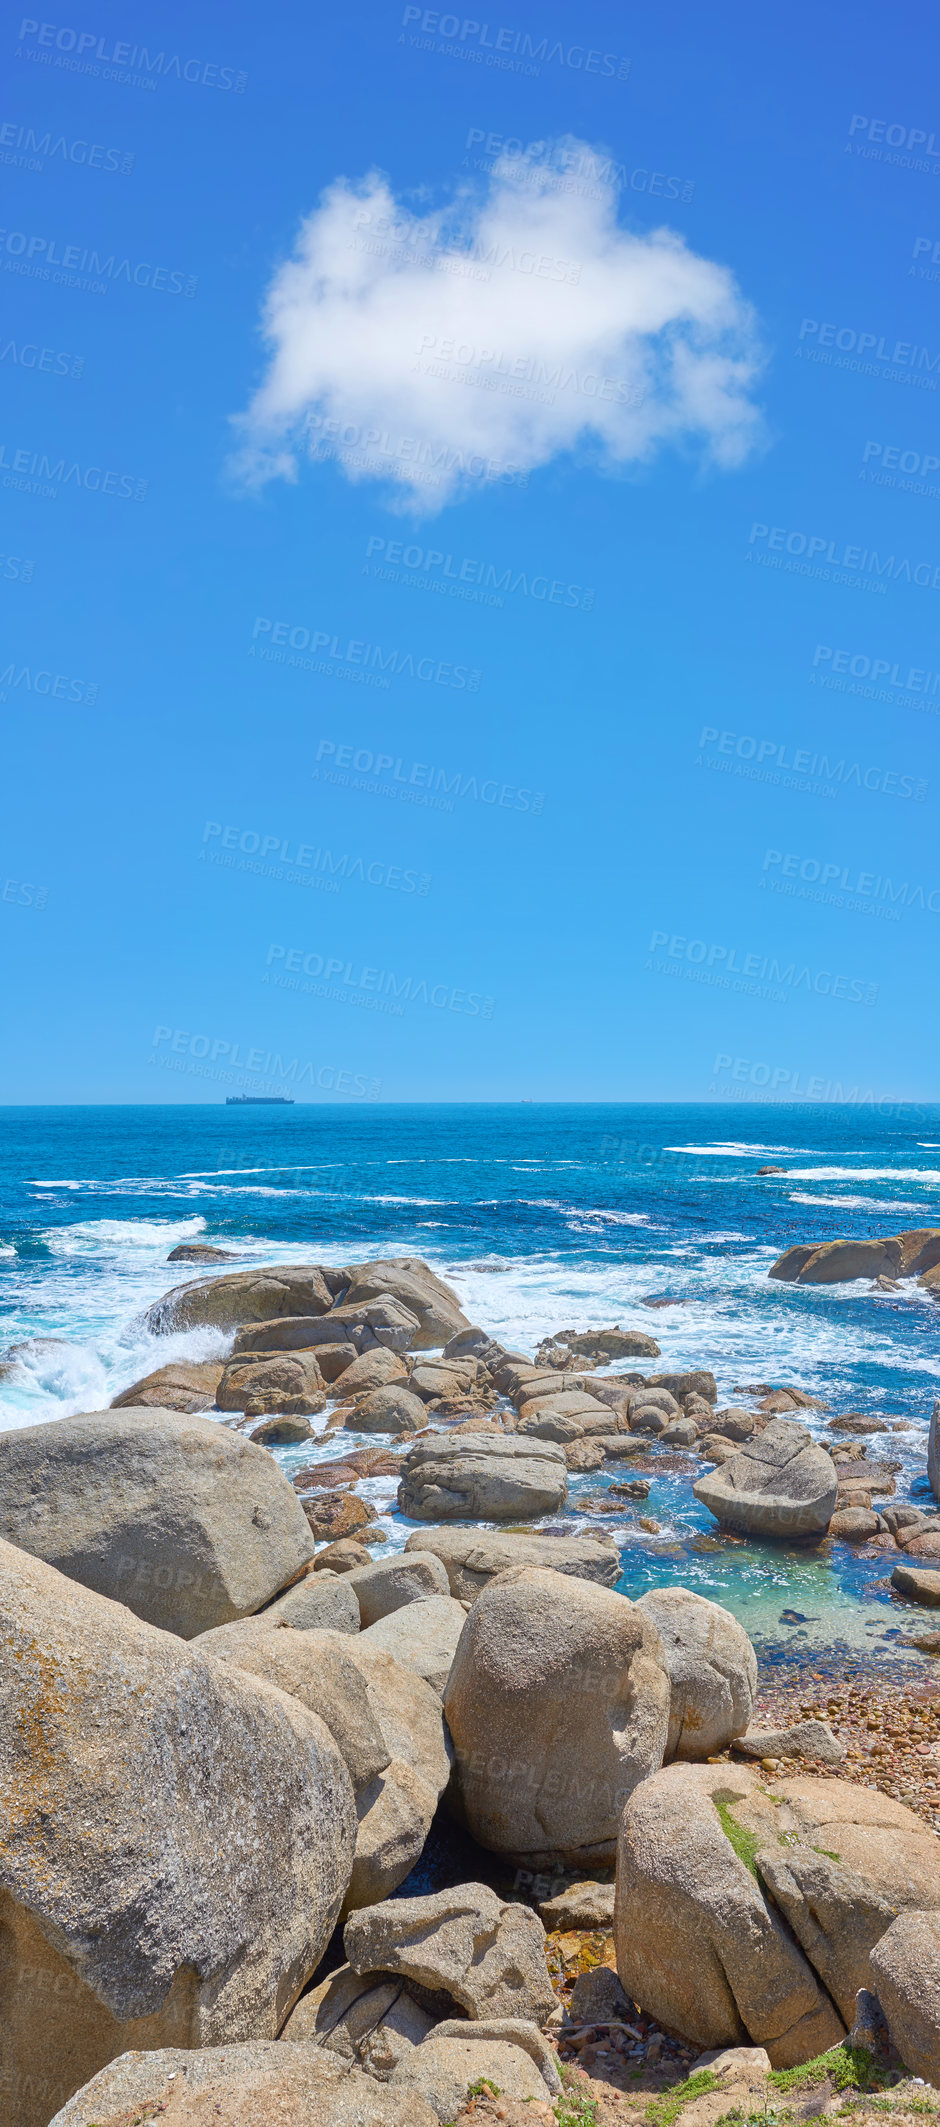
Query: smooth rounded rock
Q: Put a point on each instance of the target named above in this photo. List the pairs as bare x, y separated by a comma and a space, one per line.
392, 1409
557, 1704
712, 1671
388, 1583
780, 1485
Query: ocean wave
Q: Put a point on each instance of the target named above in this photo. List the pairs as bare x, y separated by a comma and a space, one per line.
864, 1174
858, 1203
733, 1149
114, 1234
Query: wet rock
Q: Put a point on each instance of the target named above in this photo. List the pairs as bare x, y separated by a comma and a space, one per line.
245, 1296
854, 1524
697, 1383
291, 1378
557, 1704
333, 1515
473, 1557
186, 1385
487, 1955
920, 1584
712, 1671
281, 1432
485, 1477
183, 1520
903, 1255
780, 1485
199, 1252
392, 1409
419, 1288
603, 1345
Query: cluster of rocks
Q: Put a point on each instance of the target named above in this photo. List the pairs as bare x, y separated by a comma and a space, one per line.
223, 1742
903, 1255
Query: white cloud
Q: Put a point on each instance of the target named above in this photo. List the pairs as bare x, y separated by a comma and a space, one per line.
444, 349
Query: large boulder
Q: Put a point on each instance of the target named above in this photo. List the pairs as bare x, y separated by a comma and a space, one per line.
906, 1976
289, 1381
698, 1947
488, 1956
557, 1704
392, 1409
728, 1864
382, 1321
482, 1477
370, 1370
902, 1255
425, 1295
472, 1557
314, 1666
388, 1583
245, 1296
780, 1485
395, 1810
320, 1601
152, 1893
712, 1671
422, 1635
187, 1523
186, 1385
259, 2085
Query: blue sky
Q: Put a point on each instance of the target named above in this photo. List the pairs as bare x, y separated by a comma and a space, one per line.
604, 768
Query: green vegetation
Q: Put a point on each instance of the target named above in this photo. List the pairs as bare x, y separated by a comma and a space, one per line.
663, 2110
845, 2067
482, 2084
745, 1844
574, 2111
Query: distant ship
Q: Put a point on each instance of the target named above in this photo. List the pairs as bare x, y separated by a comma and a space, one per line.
259, 1100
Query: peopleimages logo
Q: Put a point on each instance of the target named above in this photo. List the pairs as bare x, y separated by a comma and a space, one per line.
719, 962
38, 473
78, 266
473, 40
368, 657
858, 885
85, 52
863, 561
912, 679
459, 577
34, 148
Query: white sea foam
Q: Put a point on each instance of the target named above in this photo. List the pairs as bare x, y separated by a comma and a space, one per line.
863, 1174
859, 1203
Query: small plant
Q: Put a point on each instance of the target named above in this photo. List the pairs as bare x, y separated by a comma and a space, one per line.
572, 2110
745, 1844
480, 2087
845, 2067
663, 2110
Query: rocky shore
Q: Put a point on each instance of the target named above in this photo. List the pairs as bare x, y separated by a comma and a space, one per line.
237, 1743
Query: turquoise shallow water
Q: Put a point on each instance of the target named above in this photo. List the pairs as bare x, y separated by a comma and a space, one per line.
542, 1218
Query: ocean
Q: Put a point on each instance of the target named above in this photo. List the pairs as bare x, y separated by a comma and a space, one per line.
542, 1218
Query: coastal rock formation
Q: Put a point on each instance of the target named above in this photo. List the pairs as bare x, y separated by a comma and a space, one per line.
186, 1522
933, 1451
313, 1666
319, 1602
906, 1969
712, 1671
508, 2051
185, 1385
780, 1484
245, 1296
392, 1409
419, 1288
199, 1252
371, 2022
482, 1477
903, 1255
489, 1957
264, 2084
422, 1635
697, 1946
291, 1379
557, 1704
396, 1808
136, 1910
472, 1557
701, 1846
602, 1345
802, 1739
373, 1369
388, 1583
582, 1905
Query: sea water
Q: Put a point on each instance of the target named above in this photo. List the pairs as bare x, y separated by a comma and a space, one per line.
541, 1218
